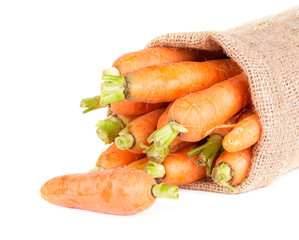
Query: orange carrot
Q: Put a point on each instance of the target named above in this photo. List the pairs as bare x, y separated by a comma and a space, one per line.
129, 108
138, 131
232, 168
177, 169
109, 128
114, 158
133, 61
166, 83
202, 111
157, 153
121, 191
246, 133
139, 164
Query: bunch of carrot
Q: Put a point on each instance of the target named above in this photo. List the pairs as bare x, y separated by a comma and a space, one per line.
173, 116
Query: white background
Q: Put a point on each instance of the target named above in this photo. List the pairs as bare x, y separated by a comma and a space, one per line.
51, 56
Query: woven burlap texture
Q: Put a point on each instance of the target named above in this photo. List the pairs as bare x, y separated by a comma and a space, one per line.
268, 51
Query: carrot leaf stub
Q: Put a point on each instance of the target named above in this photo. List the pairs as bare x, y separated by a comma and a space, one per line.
208, 152
125, 140
162, 139
91, 104
163, 190
222, 174
156, 170
113, 89
109, 129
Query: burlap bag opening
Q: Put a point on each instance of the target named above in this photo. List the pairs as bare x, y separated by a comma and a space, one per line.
268, 51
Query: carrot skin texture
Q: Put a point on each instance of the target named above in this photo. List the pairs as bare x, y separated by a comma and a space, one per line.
139, 164
166, 83
246, 133
177, 144
240, 163
141, 128
202, 111
121, 191
180, 169
113, 157
130, 108
133, 61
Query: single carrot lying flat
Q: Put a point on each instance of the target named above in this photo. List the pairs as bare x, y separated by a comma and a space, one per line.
166, 83
113, 157
246, 133
138, 131
120, 191
232, 168
178, 169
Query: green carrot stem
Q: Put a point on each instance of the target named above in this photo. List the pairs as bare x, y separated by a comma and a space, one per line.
156, 170
162, 139
91, 104
113, 89
109, 129
163, 190
113, 71
125, 140
222, 174
97, 168
156, 152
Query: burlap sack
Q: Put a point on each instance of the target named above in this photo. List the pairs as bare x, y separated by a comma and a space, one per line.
268, 51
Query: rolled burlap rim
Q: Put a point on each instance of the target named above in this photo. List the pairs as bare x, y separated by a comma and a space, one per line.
267, 50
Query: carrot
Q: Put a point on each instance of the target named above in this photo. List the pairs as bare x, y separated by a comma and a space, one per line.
246, 133
157, 153
138, 131
166, 83
126, 107
133, 61
139, 164
177, 169
121, 191
114, 158
232, 168
109, 128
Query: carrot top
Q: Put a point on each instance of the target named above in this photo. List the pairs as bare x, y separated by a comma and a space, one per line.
162, 139
91, 104
222, 174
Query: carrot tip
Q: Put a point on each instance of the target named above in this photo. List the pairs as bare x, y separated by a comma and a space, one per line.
113, 71
222, 174
109, 129
163, 190
156, 170
97, 168
125, 140
112, 89
91, 104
